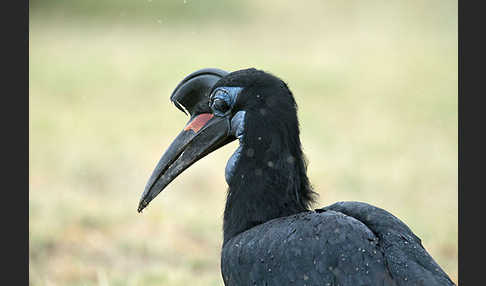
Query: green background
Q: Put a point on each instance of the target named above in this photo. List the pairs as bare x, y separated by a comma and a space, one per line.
376, 83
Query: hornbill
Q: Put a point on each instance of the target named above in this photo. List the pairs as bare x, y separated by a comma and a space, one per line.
271, 236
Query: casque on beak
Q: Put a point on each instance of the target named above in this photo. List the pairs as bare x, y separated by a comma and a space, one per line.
203, 134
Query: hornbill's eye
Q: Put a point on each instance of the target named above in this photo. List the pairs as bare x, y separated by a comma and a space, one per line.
219, 105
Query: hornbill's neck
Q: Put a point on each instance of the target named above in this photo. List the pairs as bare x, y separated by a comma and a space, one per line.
268, 172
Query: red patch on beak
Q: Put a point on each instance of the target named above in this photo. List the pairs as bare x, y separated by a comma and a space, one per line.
197, 123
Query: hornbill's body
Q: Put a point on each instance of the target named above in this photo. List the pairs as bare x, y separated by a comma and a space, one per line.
271, 236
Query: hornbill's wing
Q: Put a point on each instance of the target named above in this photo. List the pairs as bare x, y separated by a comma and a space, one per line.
347, 244
406, 259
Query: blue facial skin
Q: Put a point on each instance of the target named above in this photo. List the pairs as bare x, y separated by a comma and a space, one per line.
229, 95
237, 129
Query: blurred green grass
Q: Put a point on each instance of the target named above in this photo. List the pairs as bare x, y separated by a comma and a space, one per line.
376, 84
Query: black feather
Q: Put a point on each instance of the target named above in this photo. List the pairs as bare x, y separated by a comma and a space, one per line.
271, 235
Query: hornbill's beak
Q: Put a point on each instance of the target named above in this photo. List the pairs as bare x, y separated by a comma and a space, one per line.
203, 133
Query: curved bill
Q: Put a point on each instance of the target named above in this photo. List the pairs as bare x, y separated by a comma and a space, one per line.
203, 134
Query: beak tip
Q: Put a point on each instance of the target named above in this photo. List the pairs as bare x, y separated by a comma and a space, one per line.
141, 206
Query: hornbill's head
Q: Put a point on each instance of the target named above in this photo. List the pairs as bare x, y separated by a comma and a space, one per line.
222, 106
